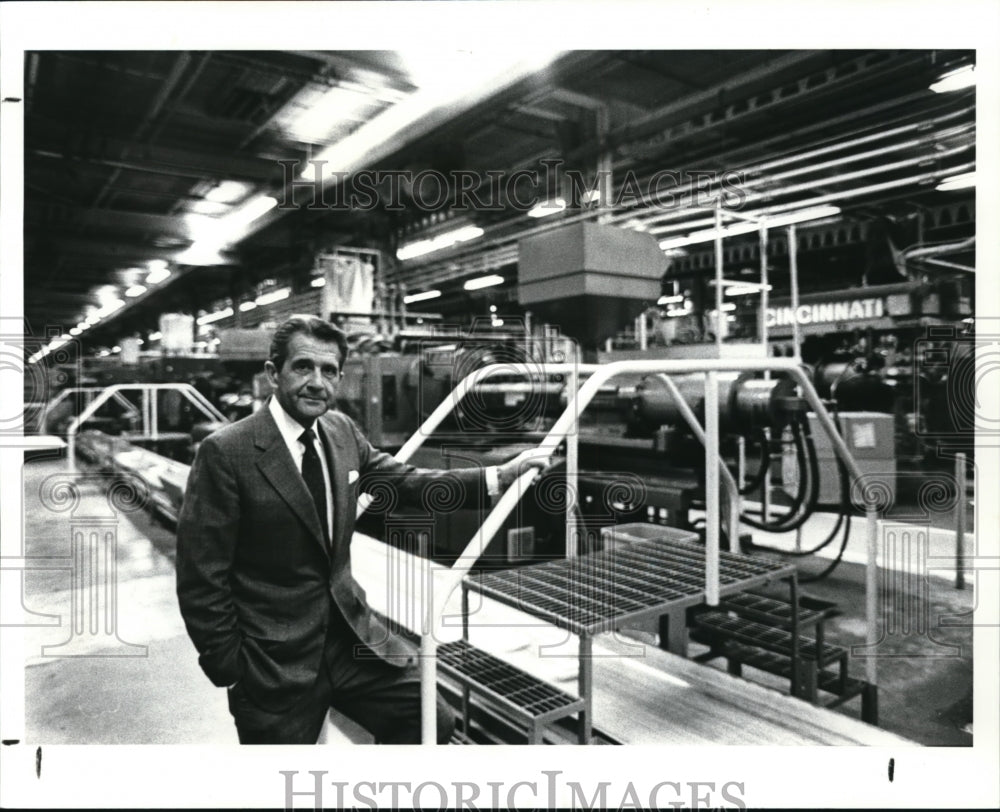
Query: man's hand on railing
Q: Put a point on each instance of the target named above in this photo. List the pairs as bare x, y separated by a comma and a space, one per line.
537, 458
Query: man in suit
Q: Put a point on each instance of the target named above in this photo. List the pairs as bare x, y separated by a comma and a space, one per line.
263, 557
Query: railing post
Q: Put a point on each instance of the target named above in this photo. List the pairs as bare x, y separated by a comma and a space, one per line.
712, 488
793, 272
871, 593
720, 318
765, 483
428, 651
960, 520
572, 470
741, 461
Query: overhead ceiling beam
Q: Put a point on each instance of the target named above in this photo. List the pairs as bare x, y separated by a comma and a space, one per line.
107, 150
540, 112
155, 106
115, 253
162, 225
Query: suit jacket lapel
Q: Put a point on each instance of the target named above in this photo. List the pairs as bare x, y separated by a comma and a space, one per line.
332, 443
278, 467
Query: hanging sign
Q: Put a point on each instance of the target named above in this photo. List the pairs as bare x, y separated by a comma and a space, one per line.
826, 312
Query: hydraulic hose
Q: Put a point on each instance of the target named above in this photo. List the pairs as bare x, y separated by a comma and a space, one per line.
808, 463
765, 463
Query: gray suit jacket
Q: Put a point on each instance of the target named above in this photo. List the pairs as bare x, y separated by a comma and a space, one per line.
255, 578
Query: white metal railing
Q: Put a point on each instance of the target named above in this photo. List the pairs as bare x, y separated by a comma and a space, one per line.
148, 410
88, 393
578, 400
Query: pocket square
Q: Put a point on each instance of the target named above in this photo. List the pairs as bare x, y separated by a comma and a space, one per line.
352, 477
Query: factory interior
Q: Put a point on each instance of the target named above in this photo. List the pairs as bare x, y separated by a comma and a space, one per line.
733, 293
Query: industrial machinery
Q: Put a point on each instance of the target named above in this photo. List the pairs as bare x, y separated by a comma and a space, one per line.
635, 457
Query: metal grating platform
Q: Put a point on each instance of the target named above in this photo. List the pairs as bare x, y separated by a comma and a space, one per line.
766, 637
528, 696
596, 592
770, 611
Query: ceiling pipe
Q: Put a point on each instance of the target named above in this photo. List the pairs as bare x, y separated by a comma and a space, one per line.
954, 266
935, 250
679, 214
431, 278
814, 184
775, 163
631, 213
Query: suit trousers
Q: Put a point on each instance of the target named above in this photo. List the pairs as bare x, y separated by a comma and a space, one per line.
382, 698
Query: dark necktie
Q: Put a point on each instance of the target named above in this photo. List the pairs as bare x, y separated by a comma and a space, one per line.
312, 473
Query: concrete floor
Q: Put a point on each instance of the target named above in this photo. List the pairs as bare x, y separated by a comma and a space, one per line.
157, 693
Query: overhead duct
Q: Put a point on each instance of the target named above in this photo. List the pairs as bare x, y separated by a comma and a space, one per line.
590, 279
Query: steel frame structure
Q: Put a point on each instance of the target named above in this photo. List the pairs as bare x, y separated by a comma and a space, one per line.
434, 603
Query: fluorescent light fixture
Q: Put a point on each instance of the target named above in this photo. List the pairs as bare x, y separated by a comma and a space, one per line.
273, 296
958, 79
218, 315
254, 209
116, 349
777, 221
202, 253
228, 191
447, 81
221, 197
105, 295
108, 307
438, 243
665, 300
75, 331
553, 206
728, 307
156, 335
317, 282
245, 306
212, 235
159, 270
317, 113
103, 354
966, 180
421, 297
92, 319
135, 290
207, 208
56, 343
484, 282
745, 289
678, 311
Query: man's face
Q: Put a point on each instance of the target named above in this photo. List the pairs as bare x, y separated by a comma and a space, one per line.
306, 384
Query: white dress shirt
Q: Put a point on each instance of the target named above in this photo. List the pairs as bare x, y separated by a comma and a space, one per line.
291, 430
